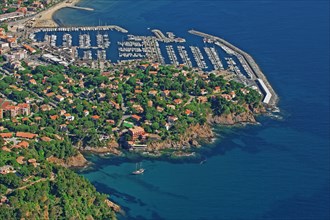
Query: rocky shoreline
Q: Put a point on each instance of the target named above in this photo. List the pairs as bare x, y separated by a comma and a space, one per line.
192, 138
112, 147
196, 134
77, 161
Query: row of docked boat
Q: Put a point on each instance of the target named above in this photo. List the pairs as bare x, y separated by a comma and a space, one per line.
131, 49
67, 40
84, 41
198, 57
82, 28
152, 49
102, 40
233, 66
171, 55
51, 39
130, 44
184, 56
100, 54
214, 58
131, 55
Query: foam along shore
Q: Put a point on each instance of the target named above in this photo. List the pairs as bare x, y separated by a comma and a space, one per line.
45, 18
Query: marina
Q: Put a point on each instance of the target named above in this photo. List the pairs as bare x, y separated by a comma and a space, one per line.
133, 47
85, 45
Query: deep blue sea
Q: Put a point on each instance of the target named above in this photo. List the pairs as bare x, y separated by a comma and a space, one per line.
276, 170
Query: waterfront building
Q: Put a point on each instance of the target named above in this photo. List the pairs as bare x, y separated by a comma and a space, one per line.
136, 132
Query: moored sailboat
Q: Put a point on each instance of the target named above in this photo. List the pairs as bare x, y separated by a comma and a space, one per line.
138, 169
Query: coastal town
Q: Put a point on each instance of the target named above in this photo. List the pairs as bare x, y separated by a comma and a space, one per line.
65, 91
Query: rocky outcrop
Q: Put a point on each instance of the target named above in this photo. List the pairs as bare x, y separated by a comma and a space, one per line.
232, 119
189, 139
75, 161
113, 205
112, 147
197, 133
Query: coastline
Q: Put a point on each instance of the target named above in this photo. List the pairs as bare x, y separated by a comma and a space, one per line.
191, 140
45, 18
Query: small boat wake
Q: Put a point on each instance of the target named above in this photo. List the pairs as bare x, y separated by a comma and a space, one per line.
203, 161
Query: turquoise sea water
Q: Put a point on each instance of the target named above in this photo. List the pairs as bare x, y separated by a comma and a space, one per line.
277, 170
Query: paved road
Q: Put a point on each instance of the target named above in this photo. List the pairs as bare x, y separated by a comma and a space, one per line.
123, 119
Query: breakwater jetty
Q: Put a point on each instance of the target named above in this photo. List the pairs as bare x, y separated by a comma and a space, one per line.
251, 67
82, 28
80, 8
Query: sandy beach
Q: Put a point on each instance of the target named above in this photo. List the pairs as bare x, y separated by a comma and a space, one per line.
45, 18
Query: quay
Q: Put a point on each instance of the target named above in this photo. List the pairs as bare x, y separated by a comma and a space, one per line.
159, 34
270, 98
82, 28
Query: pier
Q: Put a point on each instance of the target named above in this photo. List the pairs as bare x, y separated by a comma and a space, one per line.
82, 28
171, 37
270, 97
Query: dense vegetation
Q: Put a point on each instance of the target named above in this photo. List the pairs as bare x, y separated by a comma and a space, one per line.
47, 191
69, 196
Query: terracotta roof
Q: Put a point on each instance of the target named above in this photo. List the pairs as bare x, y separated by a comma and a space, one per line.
11, 39
96, 117
4, 148
177, 101
24, 144
136, 117
46, 139
54, 117
33, 81
20, 159
32, 160
26, 135
50, 94
6, 135
137, 130
110, 121
29, 48
188, 112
